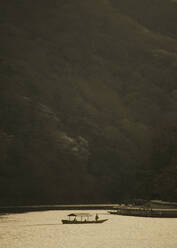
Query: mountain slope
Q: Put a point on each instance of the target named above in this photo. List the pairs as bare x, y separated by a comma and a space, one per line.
88, 104
157, 15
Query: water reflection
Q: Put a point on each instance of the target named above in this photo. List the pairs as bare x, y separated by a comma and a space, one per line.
44, 224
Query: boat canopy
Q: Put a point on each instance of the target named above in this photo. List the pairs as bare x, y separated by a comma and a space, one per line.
80, 214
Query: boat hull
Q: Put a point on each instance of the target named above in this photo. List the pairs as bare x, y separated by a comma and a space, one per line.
83, 222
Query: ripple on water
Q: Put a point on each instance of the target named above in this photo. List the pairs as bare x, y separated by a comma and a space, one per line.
44, 230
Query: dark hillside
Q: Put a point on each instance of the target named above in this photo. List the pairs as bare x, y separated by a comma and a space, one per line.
88, 104
157, 15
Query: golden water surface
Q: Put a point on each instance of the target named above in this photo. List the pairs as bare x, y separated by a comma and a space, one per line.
44, 230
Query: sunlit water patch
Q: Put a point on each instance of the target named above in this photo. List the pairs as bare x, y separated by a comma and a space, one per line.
45, 230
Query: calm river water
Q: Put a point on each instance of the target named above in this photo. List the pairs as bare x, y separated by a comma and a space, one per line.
44, 230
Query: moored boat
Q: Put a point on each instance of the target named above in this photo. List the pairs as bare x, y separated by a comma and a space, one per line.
145, 212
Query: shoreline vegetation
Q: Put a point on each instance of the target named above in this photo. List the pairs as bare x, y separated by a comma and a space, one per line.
138, 204
30, 208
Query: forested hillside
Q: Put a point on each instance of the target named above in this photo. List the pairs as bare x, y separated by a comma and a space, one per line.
88, 101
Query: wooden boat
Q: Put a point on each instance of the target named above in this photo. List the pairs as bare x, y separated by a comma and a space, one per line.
84, 219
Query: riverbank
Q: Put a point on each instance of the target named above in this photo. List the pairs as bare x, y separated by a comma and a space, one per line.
145, 212
22, 209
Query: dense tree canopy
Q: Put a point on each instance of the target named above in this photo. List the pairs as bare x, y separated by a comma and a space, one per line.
88, 101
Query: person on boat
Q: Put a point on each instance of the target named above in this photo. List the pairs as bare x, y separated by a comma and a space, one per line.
96, 217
